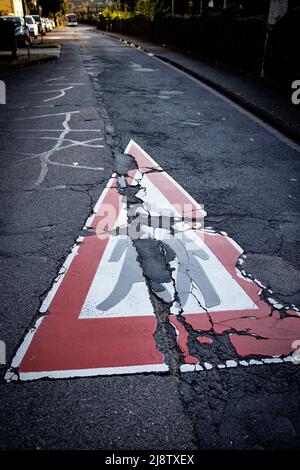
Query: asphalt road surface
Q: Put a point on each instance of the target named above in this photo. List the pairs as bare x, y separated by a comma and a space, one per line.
62, 131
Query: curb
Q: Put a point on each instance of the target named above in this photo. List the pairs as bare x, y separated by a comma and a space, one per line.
34, 61
261, 113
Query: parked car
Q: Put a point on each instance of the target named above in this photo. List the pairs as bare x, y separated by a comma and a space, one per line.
32, 26
19, 28
41, 25
7, 36
44, 23
48, 24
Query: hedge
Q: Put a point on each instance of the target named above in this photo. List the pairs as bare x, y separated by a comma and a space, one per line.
233, 40
224, 37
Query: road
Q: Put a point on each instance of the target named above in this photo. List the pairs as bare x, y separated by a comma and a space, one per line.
64, 128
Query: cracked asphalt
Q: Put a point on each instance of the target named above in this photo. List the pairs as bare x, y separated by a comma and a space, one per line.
58, 150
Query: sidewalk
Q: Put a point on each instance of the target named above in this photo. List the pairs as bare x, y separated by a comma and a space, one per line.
46, 51
37, 54
268, 103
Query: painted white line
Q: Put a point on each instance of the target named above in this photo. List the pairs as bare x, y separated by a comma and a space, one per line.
23, 348
231, 363
59, 374
157, 166
58, 280
46, 115
50, 130
89, 220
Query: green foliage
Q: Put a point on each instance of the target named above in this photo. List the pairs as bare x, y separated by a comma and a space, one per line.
110, 13
53, 7
150, 8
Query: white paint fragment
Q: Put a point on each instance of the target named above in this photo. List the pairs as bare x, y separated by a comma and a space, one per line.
243, 275
259, 283
207, 365
254, 362
231, 363
288, 359
139, 68
10, 376
270, 360
187, 368
244, 363
191, 123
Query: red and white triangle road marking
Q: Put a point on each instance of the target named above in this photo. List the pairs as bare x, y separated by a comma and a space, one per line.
98, 318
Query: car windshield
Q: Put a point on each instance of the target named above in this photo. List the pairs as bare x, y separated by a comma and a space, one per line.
72, 20
29, 20
36, 18
16, 19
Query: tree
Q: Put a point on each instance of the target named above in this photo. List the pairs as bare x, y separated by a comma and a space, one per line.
54, 6
149, 8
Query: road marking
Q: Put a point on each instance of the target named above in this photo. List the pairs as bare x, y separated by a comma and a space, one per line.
140, 68
98, 318
45, 115
64, 345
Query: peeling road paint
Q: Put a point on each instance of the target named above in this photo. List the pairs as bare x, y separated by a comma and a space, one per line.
146, 265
